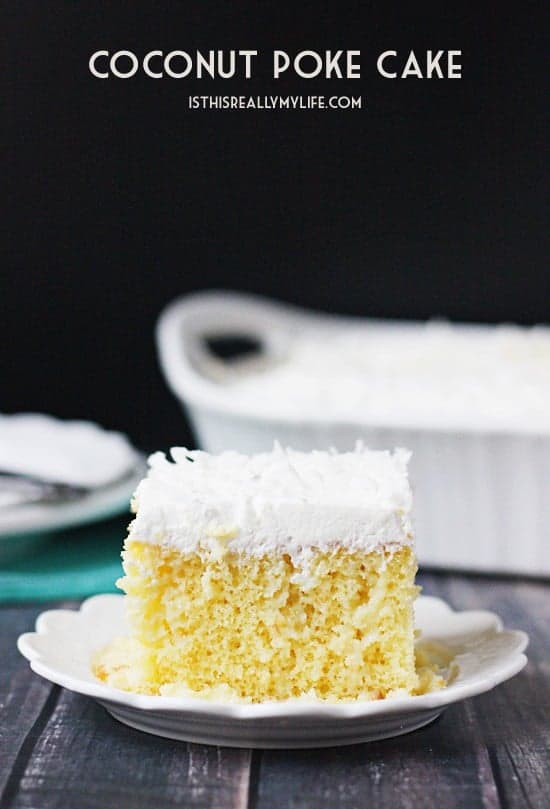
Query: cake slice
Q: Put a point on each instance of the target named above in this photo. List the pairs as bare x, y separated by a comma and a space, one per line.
267, 577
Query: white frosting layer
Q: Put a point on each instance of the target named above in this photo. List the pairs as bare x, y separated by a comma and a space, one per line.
282, 501
433, 376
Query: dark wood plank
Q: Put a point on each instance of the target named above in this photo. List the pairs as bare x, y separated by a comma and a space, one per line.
436, 767
85, 758
25, 699
514, 719
58, 749
492, 751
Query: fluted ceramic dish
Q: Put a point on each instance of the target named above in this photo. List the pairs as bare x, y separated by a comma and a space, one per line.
484, 653
481, 495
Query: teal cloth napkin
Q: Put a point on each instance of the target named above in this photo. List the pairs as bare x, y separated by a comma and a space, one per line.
67, 564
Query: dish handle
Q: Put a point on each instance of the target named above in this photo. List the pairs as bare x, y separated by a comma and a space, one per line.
189, 326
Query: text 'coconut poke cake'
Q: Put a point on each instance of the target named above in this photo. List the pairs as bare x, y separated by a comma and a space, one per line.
268, 577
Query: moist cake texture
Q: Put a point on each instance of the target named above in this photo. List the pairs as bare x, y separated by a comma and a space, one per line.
269, 577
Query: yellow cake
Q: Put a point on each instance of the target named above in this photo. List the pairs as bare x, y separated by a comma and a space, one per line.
268, 577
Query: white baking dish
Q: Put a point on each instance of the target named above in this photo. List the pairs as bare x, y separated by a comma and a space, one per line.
482, 498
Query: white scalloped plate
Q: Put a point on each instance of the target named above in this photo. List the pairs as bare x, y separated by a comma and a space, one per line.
486, 654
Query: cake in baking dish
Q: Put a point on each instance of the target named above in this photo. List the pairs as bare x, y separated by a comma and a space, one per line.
268, 577
430, 376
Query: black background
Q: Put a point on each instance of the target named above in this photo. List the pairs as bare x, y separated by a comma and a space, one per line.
428, 201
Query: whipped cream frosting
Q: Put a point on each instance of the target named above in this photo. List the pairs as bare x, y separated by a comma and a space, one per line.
435, 375
282, 501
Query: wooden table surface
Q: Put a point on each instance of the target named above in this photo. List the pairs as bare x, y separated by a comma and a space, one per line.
58, 749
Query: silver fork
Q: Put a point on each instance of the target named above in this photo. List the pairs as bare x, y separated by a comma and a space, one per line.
19, 489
